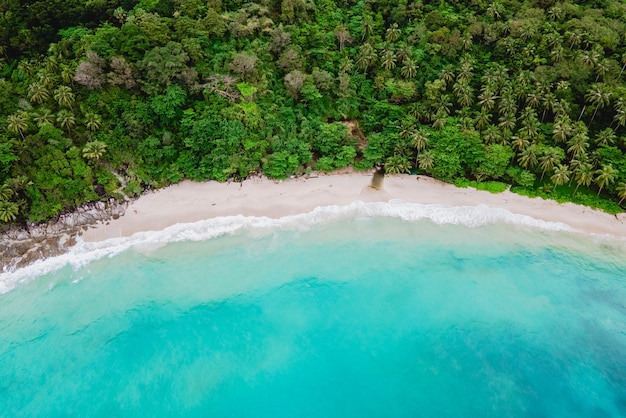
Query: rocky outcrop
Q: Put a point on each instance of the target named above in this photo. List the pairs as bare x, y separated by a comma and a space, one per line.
20, 246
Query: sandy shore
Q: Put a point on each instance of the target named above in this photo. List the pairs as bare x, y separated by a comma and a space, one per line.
190, 202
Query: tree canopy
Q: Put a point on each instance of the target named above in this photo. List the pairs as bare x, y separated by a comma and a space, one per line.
526, 92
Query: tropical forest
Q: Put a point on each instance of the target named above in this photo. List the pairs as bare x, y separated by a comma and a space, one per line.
106, 99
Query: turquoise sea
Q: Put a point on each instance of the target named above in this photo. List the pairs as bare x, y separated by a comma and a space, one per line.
370, 310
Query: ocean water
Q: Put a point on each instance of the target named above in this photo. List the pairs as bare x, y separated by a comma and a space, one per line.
370, 310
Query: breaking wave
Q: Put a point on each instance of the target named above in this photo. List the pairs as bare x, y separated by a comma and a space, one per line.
85, 252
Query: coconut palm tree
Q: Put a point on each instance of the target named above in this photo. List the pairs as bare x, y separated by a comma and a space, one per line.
605, 137
440, 120
550, 159
43, 117
18, 123
464, 93
560, 176
507, 122
6, 192
605, 176
621, 192
94, 150
8, 211
419, 141
465, 69
487, 99
598, 96
519, 142
491, 134
66, 120
584, 175
393, 33
64, 96
367, 56
93, 121
548, 102
38, 93
578, 144
528, 157
482, 119
389, 60
602, 67
561, 129
397, 164
426, 161
409, 69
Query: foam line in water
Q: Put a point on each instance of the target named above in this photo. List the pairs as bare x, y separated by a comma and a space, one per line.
85, 252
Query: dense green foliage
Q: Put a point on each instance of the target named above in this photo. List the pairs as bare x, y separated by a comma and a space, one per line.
105, 98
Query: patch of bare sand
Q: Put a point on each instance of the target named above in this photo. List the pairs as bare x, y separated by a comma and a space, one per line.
190, 202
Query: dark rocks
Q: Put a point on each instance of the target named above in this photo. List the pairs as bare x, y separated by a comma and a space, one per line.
20, 246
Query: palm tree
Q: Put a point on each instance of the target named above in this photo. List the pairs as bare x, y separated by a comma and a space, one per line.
393, 33
560, 176
404, 53
419, 141
367, 56
602, 68
66, 119
389, 60
519, 142
533, 99
94, 150
621, 192
548, 102
589, 59
18, 123
43, 117
464, 93
550, 159
528, 157
426, 161
409, 69
93, 121
487, 99
8, 211
482, 119
495, 10
440, 120
557, 54
597, 96
491, 134
6, 192
561, 129
578, 144
446, 74
584, 175
397, 164
620, 118
64, 96
605, 176
443, 104
605, 137
465, 69
38, 93
507, 122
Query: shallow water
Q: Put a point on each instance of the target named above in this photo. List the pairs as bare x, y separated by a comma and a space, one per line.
359, 316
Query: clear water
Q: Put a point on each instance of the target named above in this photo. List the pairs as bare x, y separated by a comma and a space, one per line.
364, 316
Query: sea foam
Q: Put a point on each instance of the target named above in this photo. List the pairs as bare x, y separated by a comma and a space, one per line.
85, 252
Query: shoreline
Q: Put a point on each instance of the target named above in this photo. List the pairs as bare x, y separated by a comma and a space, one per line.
188, 202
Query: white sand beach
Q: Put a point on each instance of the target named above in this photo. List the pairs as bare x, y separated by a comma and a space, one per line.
191, 201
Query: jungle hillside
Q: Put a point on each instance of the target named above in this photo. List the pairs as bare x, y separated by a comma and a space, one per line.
108, 98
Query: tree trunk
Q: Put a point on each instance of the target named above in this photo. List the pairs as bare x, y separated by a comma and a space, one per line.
582, 111
576, 189
594, 114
